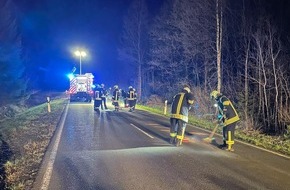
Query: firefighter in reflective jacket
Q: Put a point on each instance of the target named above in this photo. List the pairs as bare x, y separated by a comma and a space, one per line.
179, 115
115, 97
228, 117
98, 98
104, 94
131, 98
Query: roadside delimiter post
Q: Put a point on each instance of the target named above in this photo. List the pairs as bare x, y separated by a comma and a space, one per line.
48, 104
165, 107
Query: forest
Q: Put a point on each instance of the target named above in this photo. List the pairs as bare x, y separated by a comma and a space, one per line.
240, 48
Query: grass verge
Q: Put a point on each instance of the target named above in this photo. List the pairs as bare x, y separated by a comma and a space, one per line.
26, 137
280, 144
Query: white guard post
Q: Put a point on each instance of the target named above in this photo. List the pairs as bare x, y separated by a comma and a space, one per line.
165, 107
48, 104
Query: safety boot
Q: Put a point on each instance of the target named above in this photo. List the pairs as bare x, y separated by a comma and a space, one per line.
223, 146
230, 149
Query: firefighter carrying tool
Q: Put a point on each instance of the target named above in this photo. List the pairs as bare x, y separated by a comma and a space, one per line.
228, 118
180, 107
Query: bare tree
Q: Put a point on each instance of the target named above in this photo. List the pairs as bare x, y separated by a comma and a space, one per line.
184, 30
134, 39
219, 34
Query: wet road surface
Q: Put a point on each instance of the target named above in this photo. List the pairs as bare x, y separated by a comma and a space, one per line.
124, 150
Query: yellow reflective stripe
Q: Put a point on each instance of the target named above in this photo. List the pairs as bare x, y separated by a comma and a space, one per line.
190, 101
187, 89
230, 141
130, 98
235, 112
179, 137
180, 103
226, 103
178, 116
232, 120
173, 134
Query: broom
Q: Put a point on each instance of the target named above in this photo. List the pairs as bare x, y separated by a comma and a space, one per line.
210, 137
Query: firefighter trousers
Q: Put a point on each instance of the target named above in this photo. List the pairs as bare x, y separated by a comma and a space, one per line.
229, 134
177, 129
104, 102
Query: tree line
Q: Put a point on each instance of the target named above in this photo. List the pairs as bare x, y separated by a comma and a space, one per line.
237, 47
12, 61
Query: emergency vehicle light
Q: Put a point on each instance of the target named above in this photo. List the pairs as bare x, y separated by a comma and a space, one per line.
70, 76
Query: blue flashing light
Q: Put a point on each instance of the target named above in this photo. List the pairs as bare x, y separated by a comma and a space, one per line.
93, 86
70, 76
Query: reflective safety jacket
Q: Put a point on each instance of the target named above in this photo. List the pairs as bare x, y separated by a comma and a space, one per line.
98, 94
104, 93
227, 110
116, 95
181, 105
131, 94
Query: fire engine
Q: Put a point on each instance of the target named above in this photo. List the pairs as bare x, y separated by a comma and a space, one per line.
81, 87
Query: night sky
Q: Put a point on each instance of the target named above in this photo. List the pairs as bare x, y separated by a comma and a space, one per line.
54, 29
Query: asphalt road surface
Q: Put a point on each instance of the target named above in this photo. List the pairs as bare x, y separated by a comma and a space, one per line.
130, 150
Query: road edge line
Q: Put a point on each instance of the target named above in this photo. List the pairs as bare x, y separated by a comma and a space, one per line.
248, 144
49, 168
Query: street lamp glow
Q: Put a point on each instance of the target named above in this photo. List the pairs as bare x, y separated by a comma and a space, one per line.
80, 54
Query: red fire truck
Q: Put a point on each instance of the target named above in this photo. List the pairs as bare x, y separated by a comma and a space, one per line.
81, 87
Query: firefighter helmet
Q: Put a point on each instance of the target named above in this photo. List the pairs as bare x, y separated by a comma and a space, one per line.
187, 88
116, 87
130, 87
214, 94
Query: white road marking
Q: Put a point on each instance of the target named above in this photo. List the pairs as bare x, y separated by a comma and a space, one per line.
142, 131
266, 150
153, 124
48, 172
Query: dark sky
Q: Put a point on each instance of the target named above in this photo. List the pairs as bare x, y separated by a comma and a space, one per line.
54, 29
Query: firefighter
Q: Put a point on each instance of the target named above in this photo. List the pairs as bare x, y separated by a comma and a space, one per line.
115, 97
180, 107
131, 98
124, 96
104, 96
228, 118
98, 98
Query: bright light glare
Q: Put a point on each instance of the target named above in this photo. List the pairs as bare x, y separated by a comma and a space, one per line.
215, 105
70, 76
80, 53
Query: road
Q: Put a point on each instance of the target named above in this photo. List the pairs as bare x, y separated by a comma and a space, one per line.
124, 150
